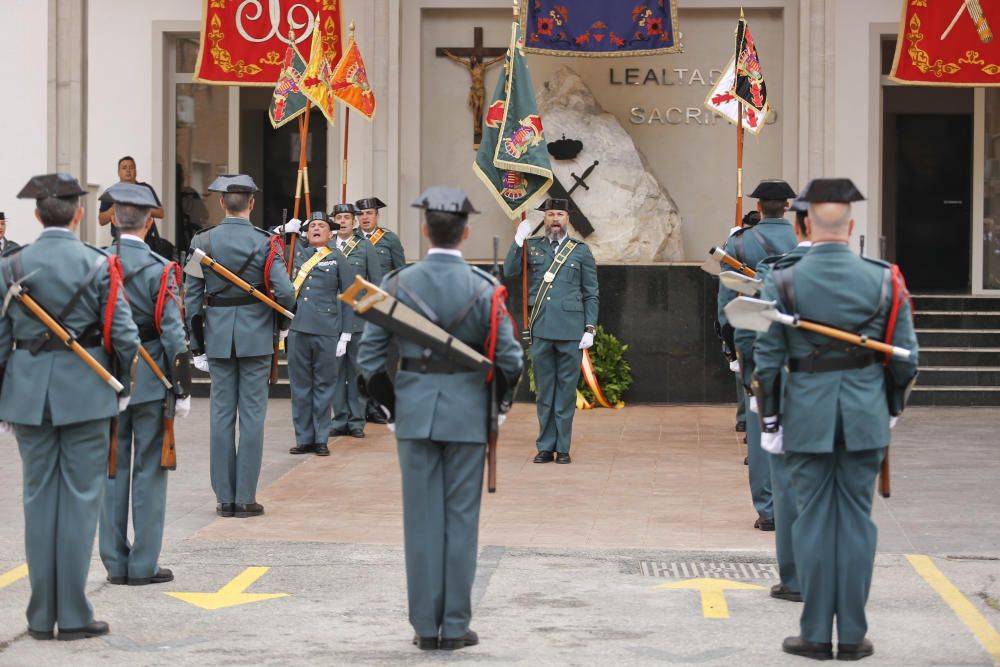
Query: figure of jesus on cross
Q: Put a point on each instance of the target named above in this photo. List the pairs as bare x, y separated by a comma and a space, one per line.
473, 60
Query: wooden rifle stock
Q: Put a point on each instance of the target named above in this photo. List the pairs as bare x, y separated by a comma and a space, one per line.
272, 378
884, 478
168, 452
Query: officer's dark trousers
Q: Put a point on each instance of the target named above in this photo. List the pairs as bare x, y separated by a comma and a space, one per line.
312, 374
758, 469
64, 470
239, 386
785, 513
140, 443
442, 488
834, 539
557, 371
741, 402
348, 406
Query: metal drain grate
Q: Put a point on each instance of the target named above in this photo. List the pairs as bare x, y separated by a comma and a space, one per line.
708, 569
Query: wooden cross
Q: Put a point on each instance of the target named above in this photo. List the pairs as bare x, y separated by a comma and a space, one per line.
474, 60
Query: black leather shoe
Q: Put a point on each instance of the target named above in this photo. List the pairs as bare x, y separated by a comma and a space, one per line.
41, 635
162, 576
334, 432
376, 418
782, 592
745, 441
322, 449
470, 639
117, 581
425, 643
741, 427
814, 650
247, 510
767, 525
225, 509
746, 460
94, 629
563, 458
544, 457
301, 449
855, 651
357, 433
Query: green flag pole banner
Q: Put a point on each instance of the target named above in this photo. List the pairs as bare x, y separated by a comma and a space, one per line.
288, 101
513, 159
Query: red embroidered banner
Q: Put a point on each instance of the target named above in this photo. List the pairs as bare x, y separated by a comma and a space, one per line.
243, 41
948, 43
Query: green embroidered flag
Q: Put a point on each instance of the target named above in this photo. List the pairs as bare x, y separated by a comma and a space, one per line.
288, 101
513, 159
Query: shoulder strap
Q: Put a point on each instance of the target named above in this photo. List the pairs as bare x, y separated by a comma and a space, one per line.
132, 274
762, 240
738, 246
786, 288
464, 310
421, 304
89, 278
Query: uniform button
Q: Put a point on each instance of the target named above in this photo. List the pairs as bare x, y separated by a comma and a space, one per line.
307, 286
306, 299
548, 298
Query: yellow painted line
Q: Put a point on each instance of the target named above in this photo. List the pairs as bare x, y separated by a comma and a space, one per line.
965, 610
713, 593
232, 594
18, 573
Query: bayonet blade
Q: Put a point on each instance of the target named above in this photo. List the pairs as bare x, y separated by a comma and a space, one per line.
740, 283
749, 313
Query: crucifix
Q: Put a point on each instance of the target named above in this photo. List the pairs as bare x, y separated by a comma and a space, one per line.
474, 60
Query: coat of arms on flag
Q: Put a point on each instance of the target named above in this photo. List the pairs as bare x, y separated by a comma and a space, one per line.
724, 102
288, 102
513, 159
317, 80
350, 82
749, 86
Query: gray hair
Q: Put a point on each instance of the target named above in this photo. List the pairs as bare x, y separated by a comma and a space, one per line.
130, 217
830, 218
236, 202
57, 211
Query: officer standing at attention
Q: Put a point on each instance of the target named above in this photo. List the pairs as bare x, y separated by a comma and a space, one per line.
834, 418
152, 285
59, 408
6, 245
440, 421
773, 235
564, 300
237, 340
348, 405
319, 335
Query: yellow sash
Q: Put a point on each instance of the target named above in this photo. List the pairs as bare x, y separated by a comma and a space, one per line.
306, 268
350, 245
376, 235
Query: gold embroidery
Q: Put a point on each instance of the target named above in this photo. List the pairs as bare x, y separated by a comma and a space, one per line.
218, 4
939, 68
330, 39
272, 58
222, 57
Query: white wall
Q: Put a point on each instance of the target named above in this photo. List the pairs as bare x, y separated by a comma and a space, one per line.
23, 113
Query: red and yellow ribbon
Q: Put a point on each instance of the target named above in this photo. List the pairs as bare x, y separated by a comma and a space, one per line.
590, 377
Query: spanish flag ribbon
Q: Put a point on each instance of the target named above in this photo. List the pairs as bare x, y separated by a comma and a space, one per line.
581, 402
590, 377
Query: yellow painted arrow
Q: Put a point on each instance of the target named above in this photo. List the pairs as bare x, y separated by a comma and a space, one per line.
713, 593
18, 573
232, 593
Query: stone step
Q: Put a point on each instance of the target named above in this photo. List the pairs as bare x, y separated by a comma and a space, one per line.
956, 319
948, 376
955, 396
959, 338
947, 356
952, 302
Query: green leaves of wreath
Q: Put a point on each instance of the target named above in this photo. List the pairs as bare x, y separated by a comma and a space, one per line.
613, 371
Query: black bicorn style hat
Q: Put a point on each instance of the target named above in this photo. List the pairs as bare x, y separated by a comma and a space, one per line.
831, 191
555, 204
233, 183
773, 189
131, 194
444, 199
51, 185
343, 208
369, 202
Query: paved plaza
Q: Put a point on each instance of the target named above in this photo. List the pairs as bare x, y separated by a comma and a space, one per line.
586, 564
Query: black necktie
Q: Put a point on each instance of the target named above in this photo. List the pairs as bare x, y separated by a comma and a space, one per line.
555, 247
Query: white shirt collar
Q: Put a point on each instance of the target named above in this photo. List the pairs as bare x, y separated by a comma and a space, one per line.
830, 243
56, 230
446, 251
132, 236
805, 244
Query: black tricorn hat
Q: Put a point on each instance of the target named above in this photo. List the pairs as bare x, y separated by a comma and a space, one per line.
51, 185
2, 216
831, 190
773, 189
131, 194
320, 215
799, 205
343, 208
553, 204
370, 202
565, 149
445, 199
233, 183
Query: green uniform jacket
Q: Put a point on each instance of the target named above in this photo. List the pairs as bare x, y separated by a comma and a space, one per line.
59, 382
143, 271
445, 407
748, 246
834, 286
572, 302
363, 261
236, 331
389, 250
318, 311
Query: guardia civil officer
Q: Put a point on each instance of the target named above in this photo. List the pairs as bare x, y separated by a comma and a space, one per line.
440, 421
564, 299
60, 409
360, 255
234, 334
6, 244
152, 284
773, 235
389, 250
319, 334
785, 509
834, 419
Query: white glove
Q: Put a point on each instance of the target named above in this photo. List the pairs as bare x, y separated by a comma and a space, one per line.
523, 232
753, 405
587, 341
500, 420
345, 338
291, 227
201, 362
892, 422
283, 334
734, 365
6, 427
123, 402
772, 442
182, 408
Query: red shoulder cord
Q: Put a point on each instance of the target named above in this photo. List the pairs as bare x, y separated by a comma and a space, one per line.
171, 271
117, 284
277, 250
498, 310
899, 292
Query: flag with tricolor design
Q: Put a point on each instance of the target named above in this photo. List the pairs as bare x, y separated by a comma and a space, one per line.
350, 82
317, 80
288, 102
724, 102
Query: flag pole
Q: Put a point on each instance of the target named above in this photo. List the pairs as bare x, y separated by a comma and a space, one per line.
739, 167
347, 124
524, 248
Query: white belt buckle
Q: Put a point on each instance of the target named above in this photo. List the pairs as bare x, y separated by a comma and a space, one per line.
549, 276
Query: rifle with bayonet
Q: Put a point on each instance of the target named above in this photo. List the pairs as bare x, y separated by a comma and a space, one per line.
168, 449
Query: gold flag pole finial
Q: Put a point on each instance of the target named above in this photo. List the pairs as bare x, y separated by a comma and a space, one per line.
517, 13
351, 30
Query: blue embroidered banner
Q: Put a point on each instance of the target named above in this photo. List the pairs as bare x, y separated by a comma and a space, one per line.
600, 28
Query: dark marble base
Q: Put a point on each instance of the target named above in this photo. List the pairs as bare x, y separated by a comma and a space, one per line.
665, 314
